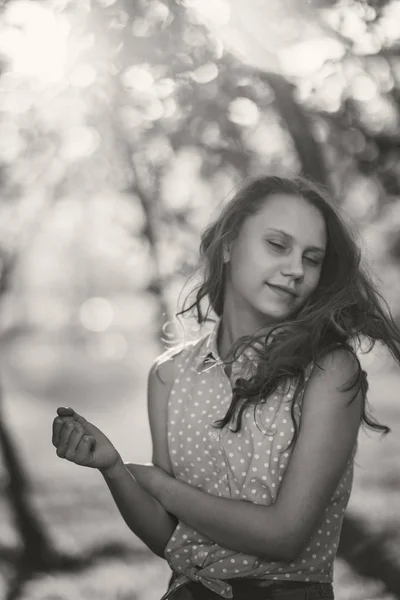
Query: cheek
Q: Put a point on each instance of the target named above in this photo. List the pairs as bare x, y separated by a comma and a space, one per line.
245, 281
240, 276
246, 264
311, 283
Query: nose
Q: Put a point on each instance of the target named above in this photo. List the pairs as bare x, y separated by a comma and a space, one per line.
294, 267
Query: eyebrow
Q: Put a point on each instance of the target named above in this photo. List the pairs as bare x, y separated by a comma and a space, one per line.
313, 248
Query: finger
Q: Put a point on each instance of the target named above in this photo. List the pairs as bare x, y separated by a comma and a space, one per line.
66, 431
83, 454
73, 441
57, 427
66, 411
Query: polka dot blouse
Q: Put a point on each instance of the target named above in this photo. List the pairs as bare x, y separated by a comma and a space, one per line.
248, 465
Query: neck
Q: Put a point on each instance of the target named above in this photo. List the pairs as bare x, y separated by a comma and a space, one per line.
234, 326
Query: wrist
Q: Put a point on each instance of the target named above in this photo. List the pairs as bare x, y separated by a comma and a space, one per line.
152, 478
114, 470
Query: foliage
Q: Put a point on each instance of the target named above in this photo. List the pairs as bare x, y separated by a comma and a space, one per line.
138, 118
125, 123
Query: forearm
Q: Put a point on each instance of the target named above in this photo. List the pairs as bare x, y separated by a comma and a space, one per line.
236, 524
143, 513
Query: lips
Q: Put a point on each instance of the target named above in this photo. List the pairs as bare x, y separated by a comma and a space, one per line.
282, 292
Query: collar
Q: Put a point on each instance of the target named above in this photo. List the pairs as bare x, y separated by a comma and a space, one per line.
209, 356
209, 352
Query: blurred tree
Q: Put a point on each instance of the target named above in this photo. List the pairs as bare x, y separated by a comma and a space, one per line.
143, 98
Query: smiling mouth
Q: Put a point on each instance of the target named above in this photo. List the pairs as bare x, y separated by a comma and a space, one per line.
282, 293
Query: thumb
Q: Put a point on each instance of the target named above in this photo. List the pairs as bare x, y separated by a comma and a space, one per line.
66, 411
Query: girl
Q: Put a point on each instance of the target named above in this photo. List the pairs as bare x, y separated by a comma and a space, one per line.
254, 425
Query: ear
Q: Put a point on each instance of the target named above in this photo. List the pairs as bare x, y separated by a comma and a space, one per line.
225, 254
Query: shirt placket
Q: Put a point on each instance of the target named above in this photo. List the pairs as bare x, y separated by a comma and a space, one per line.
216, 434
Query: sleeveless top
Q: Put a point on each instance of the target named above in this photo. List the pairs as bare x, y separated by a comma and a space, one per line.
248, 465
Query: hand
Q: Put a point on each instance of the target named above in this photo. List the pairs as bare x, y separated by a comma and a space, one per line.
82, 443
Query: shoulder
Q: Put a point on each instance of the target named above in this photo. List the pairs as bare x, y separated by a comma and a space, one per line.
162, 375
337, 365
335, 374
339, 359
166, 365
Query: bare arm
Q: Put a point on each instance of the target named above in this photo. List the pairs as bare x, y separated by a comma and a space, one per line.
152, 523
143, 514
81, 442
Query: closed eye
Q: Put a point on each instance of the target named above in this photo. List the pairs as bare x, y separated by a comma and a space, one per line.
314, 262
311, 260
276, 245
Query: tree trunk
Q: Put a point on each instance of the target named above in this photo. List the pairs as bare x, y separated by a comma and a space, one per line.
298, 124
37, 547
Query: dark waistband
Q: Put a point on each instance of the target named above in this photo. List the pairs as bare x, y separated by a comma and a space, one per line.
261, 589
273, 584
245, 583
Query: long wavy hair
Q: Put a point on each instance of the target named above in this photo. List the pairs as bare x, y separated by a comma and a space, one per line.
344, 308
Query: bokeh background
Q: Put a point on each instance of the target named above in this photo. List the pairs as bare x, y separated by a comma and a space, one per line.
124, 126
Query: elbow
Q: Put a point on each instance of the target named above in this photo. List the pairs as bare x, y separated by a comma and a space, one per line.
294, 546
289, 551
291, 554
160, 552
282, 549
292, 536
289, 545
286, 553
157, 547
279, 553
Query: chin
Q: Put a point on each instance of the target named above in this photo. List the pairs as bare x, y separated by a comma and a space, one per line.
274, 313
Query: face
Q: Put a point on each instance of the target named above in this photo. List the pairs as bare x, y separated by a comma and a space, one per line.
283, 244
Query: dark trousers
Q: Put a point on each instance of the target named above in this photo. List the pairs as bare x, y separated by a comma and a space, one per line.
251, 589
